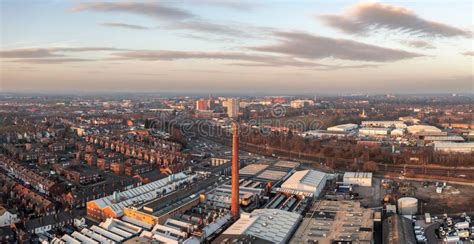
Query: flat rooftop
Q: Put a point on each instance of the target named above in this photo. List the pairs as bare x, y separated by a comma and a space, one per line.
287, 164
273, 175
330, 221
253, 169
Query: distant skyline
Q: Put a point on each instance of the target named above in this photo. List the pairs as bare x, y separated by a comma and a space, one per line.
256, 47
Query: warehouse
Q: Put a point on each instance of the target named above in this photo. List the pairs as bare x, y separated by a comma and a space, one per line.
343, 127
429, 139
253, 169
263, 225
416, 129
112, 206
385, 124
329, 222
358, 178
110, 231
397, 132
466, 147
374, 131
305, 182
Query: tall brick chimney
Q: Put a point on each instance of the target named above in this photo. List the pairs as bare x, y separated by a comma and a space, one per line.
234, 208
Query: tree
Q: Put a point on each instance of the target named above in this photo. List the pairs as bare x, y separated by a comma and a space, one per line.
370, 166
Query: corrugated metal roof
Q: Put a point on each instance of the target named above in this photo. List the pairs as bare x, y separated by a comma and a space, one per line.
305, 180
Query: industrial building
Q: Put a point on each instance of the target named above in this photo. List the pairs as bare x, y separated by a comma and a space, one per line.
465, 147
326, 134
287, 164
262, 226
194, 226
110, 231
417, 129
429, 139
357, 178
288, 202
336, 222
385, 124
112, 206
369, 131
221, 195
398, 230
305, 182
397, 132
219, 161
343, 127
253, 169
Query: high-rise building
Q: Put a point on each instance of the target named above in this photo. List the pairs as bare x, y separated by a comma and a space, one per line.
202, 105
232, 107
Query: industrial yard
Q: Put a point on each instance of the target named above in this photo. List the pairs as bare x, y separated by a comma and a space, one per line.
461, 198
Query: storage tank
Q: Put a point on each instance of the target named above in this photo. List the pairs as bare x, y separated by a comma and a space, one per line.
407, 205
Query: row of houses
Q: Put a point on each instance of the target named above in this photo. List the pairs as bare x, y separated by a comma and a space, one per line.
29, 177
164, 154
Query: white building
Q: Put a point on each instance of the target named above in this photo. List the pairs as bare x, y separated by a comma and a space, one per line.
397, 132
325, 134
305, 182
343, 127
368, 131
452, 147
415, 129
273, 225
301, 103
384, 124
358, 178
7, 217
110, 231
232, 105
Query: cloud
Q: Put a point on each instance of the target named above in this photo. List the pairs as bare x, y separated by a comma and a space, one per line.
126, 26
27, 53
50, 60
204, 26
171, 17
153, 55
362, 18
235, 5
468, 53
154, 10
307, 46
419, 44
49, 52
249, 60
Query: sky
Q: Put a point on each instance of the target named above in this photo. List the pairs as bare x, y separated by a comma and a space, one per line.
212, 46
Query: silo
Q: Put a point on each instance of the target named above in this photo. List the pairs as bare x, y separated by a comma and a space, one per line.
407, 205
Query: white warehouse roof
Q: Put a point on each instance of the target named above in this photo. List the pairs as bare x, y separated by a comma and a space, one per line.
343, 127
463, 147
367, 175
273, 225
422, 128
305, 180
